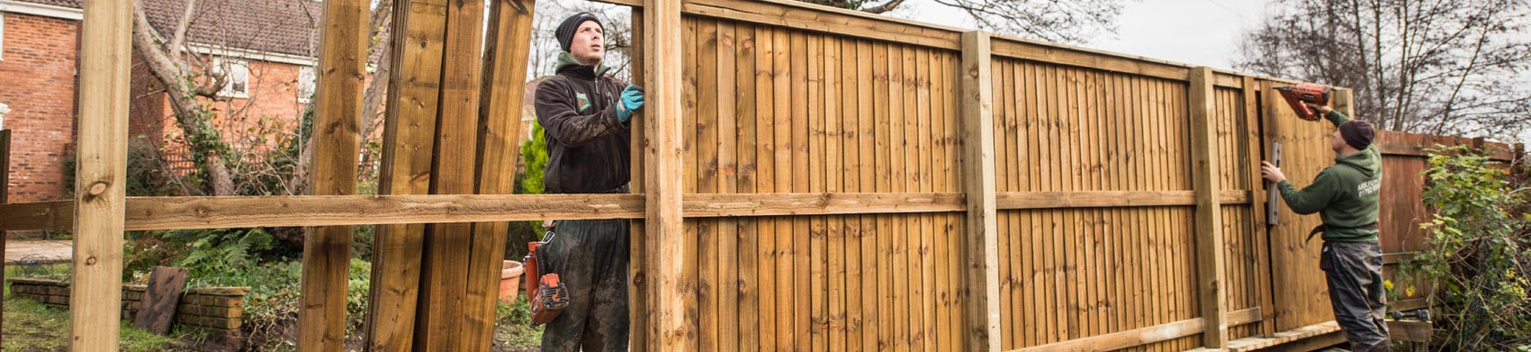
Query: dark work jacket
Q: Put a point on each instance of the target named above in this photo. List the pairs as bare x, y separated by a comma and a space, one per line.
588, 148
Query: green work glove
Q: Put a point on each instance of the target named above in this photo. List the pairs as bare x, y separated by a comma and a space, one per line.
631, 100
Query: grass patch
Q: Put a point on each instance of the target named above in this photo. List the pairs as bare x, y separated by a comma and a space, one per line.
513, 330
33, 326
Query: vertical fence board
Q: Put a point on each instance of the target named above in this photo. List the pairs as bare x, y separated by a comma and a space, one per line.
409, 132
100, 175
336, 139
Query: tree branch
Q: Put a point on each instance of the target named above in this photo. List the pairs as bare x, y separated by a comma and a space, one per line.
885, 7
179, 38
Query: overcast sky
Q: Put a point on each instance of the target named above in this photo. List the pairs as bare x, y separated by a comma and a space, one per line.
1197, 32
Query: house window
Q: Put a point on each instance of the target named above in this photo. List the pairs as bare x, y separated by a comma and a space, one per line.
306, 78
238, 84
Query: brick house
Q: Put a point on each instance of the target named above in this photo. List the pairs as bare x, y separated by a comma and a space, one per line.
269, 47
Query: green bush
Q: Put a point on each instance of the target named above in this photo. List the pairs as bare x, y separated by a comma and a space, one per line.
1478, 254
534, 154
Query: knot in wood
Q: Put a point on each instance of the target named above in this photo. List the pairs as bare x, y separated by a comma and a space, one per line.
90, 260
96, 189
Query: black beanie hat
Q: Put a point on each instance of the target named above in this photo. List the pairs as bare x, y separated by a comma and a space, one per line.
1358, 134
565, 32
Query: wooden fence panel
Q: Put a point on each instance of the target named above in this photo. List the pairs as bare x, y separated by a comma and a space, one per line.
766, 108
1075, 273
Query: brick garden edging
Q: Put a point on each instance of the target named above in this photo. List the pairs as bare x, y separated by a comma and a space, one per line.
216, 308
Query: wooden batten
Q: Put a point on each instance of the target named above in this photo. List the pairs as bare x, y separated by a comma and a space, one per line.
101, 143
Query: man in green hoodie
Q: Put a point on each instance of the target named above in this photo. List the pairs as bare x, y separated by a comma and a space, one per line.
1345, 196
584, 115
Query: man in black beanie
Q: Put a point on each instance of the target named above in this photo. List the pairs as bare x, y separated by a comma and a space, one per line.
1345, 195
584, 115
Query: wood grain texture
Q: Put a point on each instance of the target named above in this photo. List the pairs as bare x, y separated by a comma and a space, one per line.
673, 308
444, 301
978, 162
409, 134
336, 140
1210, 258
499, 141
100, 173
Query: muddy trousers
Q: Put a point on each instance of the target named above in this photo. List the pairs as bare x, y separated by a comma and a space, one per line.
591, 257
1354, 274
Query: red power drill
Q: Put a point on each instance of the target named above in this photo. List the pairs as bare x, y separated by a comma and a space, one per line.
1311, 93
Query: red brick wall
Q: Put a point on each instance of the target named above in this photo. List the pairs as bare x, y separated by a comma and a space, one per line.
271, 109
37, 81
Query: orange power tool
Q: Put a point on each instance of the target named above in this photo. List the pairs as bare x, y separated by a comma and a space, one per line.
1311, 93
548, 295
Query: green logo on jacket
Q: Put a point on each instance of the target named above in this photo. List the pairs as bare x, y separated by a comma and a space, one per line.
584, 101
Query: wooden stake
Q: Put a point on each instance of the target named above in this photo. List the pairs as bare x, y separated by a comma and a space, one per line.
100, 173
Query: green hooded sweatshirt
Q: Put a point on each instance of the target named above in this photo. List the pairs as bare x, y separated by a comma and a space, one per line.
1344, 194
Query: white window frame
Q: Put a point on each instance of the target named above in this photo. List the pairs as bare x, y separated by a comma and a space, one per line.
308, 77
4, 109
2, 36
236, 66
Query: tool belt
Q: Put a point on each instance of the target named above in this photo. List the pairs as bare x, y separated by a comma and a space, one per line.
1326, 228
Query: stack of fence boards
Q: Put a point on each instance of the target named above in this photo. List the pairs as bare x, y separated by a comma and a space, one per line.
458, 93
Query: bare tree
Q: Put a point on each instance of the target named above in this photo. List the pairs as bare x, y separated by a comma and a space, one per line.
191, 80
184, 82
1059, 21
1431, 66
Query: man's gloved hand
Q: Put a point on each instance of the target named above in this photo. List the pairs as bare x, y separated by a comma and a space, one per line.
631, 100
1320, 109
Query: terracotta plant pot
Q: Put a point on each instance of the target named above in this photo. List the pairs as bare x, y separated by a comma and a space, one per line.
510, 280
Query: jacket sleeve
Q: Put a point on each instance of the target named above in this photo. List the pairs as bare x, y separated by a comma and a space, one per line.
1335, 117
558, 112
1310, 199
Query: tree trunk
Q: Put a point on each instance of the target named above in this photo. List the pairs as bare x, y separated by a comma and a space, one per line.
190, 115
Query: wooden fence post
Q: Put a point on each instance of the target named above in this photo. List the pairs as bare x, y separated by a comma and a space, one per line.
337, 113
96, 315
673, 306
983, 314
1209, 221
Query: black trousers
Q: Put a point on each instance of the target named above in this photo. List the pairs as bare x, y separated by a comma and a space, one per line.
591, 259
1354, 274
